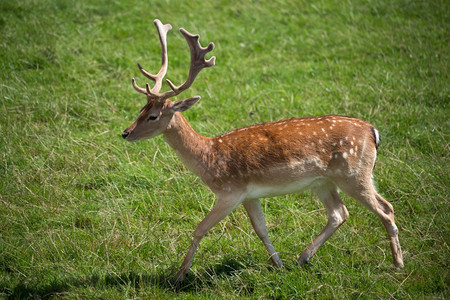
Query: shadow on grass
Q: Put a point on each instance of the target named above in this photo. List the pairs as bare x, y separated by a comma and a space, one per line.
61, 286
163, 281
207, 277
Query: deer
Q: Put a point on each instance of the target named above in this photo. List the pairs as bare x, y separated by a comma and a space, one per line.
319, 153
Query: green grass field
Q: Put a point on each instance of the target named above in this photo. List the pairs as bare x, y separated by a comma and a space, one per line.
85, 214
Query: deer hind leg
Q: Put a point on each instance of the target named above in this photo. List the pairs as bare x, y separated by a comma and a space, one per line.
255, 213
337, 214
385, 212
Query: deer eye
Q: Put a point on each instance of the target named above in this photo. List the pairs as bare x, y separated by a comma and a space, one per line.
152, 118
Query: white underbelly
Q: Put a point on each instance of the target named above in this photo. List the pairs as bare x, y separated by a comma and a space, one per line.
256, 190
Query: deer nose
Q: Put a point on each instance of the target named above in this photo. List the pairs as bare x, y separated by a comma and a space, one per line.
125, 134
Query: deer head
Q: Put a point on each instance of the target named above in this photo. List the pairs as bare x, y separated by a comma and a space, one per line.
155, 116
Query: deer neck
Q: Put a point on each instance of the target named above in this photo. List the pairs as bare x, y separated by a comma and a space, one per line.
191, 147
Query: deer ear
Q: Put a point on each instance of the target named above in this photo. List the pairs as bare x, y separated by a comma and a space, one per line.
182, 105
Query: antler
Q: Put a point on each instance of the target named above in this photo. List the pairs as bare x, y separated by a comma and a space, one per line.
162, 32
198, 62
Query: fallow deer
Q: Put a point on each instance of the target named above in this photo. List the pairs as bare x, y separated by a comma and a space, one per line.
264, 160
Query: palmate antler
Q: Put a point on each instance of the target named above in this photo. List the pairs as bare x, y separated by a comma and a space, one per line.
198, 62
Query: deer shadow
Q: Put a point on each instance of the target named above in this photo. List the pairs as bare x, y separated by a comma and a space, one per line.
205, 278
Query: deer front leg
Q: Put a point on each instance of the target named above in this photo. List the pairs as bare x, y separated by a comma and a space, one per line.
223, 208
255, 213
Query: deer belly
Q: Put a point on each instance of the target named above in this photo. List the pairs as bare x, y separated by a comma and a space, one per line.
266, 190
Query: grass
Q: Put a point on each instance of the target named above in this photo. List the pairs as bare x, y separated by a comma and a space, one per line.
85, 214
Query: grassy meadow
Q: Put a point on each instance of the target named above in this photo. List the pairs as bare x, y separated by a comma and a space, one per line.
85, 214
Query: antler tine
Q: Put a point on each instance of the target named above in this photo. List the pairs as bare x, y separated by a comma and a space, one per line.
137, 88
162, 32
198, 62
